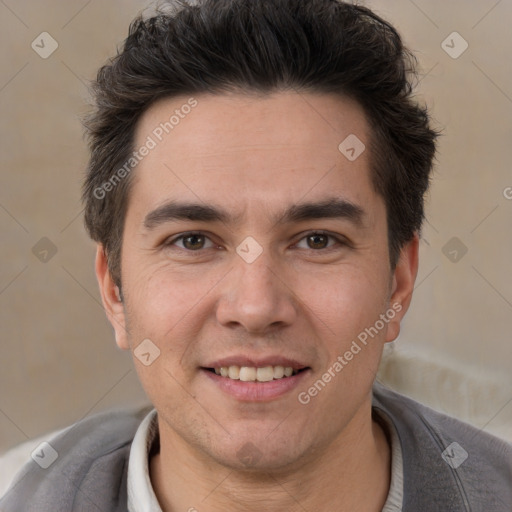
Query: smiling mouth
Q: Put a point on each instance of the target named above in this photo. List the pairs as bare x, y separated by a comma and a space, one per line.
254, 374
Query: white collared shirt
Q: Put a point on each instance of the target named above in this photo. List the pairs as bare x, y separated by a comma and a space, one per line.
142, 498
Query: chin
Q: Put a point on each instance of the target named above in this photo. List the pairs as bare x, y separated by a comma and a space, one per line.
260, 454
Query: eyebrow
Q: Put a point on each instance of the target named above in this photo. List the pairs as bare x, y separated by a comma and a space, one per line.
333, 208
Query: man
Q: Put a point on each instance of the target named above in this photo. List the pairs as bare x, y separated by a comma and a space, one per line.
256, 190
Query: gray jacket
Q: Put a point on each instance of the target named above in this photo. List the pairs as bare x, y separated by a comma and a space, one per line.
90, 471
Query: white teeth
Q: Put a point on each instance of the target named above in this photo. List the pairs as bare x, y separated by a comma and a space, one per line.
247, 374
281, 371
251, 374
234, 372
265, 374
278, 372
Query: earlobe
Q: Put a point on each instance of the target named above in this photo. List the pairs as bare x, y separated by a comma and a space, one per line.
111, 298
404, 277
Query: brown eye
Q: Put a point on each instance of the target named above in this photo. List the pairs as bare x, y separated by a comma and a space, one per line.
191, 242
317, 241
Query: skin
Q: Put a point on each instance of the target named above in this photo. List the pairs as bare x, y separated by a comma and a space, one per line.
307, 299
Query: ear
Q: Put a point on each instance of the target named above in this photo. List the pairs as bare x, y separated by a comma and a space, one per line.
111, 298
402, 286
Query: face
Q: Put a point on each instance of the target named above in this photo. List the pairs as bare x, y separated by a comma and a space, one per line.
251, 240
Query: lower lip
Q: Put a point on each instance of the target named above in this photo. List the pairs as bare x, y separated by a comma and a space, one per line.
256, 391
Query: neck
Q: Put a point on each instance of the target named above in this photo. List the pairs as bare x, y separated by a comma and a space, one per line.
352, 472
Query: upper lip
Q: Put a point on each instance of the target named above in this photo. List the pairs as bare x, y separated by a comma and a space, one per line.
256, 362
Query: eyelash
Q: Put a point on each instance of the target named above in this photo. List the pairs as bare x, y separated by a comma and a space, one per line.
172, 242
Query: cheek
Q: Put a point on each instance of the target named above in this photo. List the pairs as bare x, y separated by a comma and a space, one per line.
345, 301
164, 295
166, 308
169, 307
347, 307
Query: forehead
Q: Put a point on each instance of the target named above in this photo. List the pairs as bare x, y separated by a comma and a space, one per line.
238, 147
289, 118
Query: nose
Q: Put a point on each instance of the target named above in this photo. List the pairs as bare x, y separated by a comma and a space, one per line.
257, 297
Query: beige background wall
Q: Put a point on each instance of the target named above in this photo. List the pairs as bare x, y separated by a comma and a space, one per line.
58, 358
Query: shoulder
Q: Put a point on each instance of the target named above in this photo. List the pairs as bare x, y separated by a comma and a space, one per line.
447, 461
86, 464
